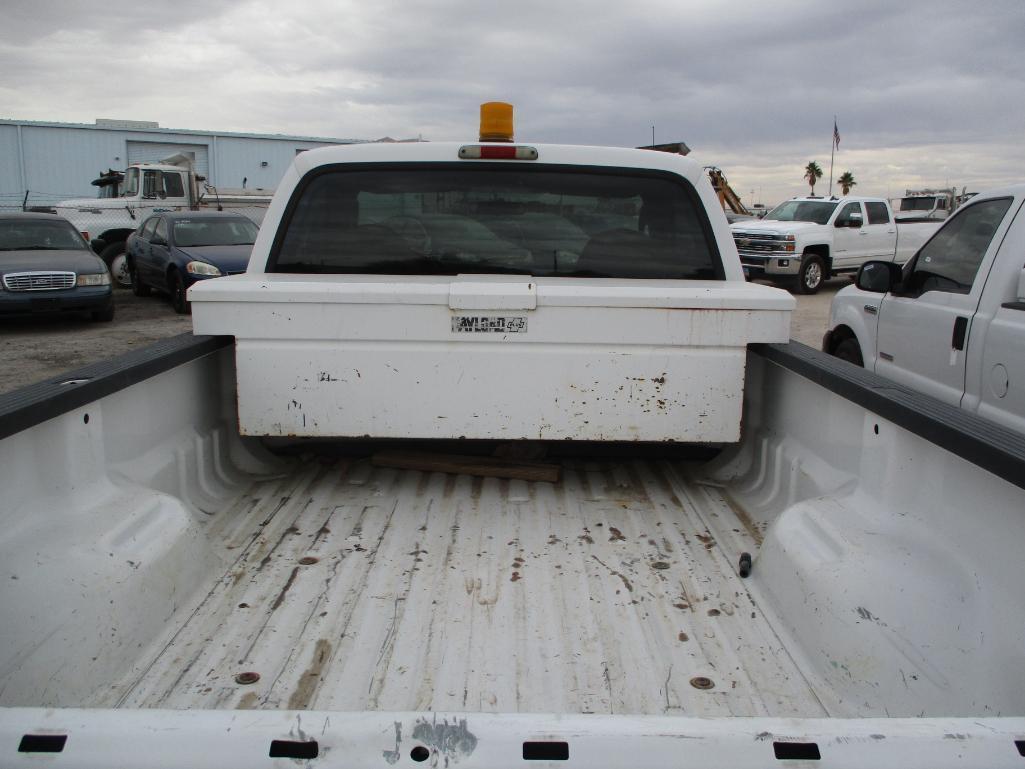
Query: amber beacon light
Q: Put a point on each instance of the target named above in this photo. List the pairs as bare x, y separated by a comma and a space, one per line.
496, 122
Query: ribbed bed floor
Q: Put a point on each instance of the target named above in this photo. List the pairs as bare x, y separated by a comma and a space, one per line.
360, 588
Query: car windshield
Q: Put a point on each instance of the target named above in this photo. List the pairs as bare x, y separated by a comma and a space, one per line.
802, 211
39, 235
441, 220
214, 232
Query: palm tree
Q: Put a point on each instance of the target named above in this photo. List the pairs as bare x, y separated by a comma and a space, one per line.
812, 173
846, 181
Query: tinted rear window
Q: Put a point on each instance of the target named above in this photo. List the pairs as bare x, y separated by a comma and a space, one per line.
439, 220
877, 213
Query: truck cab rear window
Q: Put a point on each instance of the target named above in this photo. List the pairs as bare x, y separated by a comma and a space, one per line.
439, 220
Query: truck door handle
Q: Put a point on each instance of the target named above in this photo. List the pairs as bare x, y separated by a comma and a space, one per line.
960, 329
871, 309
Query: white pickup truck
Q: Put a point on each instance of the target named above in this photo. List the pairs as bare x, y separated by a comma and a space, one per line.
952, 322
147, 188
226, 551
805, 240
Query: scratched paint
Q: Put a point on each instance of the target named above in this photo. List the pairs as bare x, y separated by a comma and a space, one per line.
453, 740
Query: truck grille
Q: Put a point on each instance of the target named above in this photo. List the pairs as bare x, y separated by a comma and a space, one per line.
756, 241
38, 281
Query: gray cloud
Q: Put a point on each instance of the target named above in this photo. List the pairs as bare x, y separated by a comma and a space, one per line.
924, 92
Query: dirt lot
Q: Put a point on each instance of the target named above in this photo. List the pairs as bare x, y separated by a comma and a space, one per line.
34, 349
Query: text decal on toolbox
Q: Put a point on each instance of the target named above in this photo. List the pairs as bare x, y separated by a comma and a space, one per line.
488, 324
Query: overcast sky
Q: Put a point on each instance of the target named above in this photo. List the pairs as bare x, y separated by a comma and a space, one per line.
925, 93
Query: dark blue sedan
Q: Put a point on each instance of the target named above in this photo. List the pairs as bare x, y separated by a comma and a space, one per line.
171, 251
47, 267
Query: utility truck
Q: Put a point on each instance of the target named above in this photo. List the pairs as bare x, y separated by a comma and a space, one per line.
929, 204
127, 198
807, 240
437, 497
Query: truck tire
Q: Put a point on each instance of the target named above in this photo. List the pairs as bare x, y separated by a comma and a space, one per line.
850, 351
813, 272
117, 262
176, 285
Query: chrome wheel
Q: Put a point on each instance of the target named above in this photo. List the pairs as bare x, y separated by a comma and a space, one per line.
813, 275
119, 271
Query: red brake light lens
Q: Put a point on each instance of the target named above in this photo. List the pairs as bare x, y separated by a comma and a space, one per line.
497, 152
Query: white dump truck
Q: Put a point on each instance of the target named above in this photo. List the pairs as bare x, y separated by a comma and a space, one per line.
127, 199
493, 459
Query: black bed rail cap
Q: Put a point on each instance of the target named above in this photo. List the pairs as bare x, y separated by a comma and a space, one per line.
982, 442
29, 406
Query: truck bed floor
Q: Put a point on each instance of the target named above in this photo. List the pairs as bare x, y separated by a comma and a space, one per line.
352, 587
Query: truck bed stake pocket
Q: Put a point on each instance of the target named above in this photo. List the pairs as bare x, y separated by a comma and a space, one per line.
546, 751
796, 751
42, 743
294, 749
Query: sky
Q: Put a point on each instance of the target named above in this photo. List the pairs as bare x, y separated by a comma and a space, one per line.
924, 93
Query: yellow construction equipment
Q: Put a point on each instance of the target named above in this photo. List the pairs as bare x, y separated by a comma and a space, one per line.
727, 197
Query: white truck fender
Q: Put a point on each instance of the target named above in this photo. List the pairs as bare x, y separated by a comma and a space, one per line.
854, 312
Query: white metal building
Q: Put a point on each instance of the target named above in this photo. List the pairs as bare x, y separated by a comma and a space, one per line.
56, 161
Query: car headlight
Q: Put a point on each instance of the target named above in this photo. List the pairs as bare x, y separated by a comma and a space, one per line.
202, 268
95, 279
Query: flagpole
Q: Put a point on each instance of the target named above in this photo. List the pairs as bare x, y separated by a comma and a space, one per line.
832, 150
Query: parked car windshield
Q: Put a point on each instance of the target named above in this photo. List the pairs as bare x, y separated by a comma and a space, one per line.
39, 235
802, 211
214, 232
434, 219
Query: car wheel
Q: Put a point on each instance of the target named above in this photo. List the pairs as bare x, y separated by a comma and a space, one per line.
850, 351
116, 260
138, 287
813, 272
103, 316
177, 287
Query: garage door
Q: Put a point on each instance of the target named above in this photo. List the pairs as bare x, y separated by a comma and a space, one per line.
154, 152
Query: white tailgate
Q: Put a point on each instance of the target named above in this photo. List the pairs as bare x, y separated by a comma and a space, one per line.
483, 356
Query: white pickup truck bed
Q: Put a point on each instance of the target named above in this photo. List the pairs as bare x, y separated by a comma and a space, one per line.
608, 592
386, 612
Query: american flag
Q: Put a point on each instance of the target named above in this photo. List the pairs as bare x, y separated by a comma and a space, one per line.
836, 135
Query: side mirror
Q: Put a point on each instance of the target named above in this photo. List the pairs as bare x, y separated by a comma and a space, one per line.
878, 277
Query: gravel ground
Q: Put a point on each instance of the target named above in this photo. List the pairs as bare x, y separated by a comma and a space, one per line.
39, 348
34, 349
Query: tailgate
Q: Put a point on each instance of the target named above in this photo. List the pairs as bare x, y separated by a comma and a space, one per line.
224, 739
